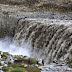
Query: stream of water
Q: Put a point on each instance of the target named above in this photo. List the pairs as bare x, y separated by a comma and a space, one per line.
6, 45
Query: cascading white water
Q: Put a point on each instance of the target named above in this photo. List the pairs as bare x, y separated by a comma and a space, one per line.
49, 41
6, 45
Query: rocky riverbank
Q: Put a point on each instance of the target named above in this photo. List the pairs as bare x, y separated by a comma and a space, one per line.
19, 63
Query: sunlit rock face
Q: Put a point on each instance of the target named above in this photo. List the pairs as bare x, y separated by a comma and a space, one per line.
49, 41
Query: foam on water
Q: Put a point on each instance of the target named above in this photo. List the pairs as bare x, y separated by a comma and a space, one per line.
6, 45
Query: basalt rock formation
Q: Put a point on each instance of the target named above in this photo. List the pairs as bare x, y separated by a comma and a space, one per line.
49, 41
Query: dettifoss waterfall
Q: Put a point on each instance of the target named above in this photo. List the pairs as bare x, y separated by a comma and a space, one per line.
36, 39
52, 42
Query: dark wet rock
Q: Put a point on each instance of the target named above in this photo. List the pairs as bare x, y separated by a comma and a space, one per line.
18, 61
21, 62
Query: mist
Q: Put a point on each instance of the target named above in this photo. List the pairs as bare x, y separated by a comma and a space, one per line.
6, 45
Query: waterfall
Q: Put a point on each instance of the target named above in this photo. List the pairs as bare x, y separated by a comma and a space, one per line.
49, 41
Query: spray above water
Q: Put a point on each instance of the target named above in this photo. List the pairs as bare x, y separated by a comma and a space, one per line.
6, 45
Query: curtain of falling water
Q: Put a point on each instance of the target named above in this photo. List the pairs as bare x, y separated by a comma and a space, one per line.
52, 42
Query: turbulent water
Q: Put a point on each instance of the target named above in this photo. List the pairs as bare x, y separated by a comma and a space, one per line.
49, 41
6, 45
